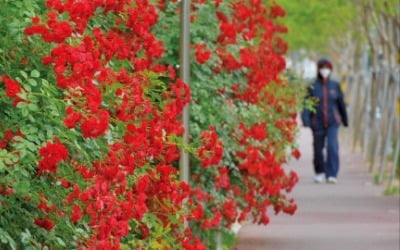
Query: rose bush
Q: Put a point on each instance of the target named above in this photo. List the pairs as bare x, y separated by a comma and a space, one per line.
90, 130
90, 123
239, 92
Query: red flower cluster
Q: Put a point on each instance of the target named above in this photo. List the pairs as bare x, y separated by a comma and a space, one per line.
72, 117
95, 125
202, 55
229, 211
277, 11
13, 88
296, 153
54, 32
8, 136
4, 190
52, 154
44, 207
212, 222
198, 212
76, 213
190, 242
263, 63
257, 131
212, 150
222, 180
45, 223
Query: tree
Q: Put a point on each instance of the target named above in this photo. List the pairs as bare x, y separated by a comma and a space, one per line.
313, 23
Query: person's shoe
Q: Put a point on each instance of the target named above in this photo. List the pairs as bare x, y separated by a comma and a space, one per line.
332, 180
319, 178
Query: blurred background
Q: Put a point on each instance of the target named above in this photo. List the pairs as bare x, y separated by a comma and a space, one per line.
362, 38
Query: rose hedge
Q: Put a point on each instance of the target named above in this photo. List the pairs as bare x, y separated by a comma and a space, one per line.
90, 123
238, 91
90, 131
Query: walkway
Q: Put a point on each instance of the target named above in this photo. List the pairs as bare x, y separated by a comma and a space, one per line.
351, 215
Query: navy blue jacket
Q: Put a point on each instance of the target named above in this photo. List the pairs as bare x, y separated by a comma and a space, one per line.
328, 111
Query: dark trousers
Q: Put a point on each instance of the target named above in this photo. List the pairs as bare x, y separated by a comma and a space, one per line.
326, 137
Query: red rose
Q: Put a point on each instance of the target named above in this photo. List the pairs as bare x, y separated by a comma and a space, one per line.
12, 87
45, 223
76, 213
202, 55
296, 154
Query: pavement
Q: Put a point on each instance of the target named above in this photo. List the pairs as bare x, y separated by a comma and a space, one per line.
350, 215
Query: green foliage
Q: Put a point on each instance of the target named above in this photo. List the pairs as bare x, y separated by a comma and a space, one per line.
16, 218
312, 23
12, 23
228, 240
393, 190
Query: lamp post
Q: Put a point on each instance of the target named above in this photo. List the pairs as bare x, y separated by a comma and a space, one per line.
184, 73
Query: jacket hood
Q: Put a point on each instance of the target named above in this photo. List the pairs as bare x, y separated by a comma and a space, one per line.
323, 62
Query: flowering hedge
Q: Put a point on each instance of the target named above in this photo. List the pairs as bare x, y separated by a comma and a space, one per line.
90, 123
239, 93
90, 130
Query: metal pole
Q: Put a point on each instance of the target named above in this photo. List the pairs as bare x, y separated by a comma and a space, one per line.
184, 72
219, 240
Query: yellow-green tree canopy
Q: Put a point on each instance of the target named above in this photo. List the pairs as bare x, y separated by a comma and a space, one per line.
312, 23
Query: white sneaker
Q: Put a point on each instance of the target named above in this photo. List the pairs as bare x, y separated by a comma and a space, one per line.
332, 180
319, 178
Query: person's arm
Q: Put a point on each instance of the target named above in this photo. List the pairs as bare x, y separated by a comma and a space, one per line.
342, 107
306, 113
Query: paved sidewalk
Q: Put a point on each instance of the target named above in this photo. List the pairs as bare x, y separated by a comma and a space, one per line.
351, 215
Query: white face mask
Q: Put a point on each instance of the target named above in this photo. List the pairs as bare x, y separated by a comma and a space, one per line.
325, 72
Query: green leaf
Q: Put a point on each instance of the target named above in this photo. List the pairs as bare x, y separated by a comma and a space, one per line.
26, 236
49, 133
31, 146
33, 107
6, 238
28, 88
35, 73
33, 99
23, 74
45, 82
21, 105
32, 81
25, 112
2, 167
31, 137
61, 242
22, 187
28, 5
33, 130
23, 95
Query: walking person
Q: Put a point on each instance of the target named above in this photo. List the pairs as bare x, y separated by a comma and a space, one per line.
330, 112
